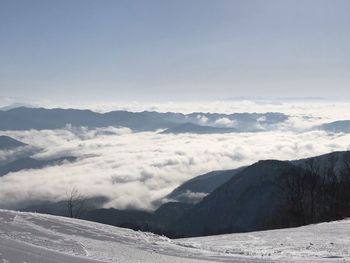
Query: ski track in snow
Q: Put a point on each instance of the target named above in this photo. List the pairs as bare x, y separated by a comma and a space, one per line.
30, 237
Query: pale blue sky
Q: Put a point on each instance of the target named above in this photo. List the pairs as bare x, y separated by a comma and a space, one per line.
71, 50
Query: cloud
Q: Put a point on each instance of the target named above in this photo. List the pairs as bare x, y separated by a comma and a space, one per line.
202, 119
189, 197
137, 169
225, 122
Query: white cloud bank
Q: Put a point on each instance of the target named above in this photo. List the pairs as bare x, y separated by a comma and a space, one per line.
225, 122
135, 169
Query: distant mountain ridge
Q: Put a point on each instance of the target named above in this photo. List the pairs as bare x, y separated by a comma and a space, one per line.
197, 129
336, 126
15, 105
23, 118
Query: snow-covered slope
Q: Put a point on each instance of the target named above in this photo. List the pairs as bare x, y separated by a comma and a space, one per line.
319, 242
28, 237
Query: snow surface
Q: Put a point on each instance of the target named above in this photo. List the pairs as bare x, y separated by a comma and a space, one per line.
30, 237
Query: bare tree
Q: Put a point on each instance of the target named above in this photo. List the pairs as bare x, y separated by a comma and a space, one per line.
345, 186
315, 193
312, 176
330, 191
76, 203
292, 188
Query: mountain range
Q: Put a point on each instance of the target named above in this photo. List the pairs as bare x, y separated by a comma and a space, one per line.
23, 118
252, 199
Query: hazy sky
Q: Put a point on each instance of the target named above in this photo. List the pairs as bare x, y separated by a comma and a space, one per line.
174, 50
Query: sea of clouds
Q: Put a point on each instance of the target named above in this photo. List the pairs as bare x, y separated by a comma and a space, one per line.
135, 170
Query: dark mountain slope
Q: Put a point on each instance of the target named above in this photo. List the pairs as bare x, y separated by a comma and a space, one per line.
7, 142
168, 213
242, 204
157, 221
134, 219
256, 198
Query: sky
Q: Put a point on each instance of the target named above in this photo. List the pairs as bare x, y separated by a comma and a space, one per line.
160, 50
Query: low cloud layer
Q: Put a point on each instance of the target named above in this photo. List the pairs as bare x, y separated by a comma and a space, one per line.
137, 169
